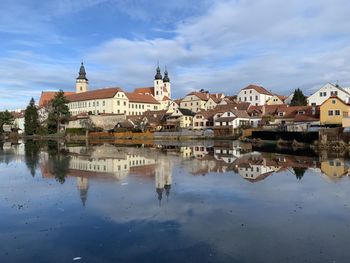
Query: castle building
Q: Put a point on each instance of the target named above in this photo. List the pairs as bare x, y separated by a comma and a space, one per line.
116, 101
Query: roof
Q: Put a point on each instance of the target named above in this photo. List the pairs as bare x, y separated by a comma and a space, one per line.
225, 119
141, 98
165, 98
47, 96
145, 90
105, 93
259, 89
186, 112
335, 97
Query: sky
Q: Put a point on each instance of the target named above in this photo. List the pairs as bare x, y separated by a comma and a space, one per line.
217, 45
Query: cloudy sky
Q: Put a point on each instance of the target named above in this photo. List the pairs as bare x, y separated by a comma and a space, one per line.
219, 45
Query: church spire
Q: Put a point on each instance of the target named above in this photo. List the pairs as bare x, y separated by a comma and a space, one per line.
158, 74
166, 76
82, 72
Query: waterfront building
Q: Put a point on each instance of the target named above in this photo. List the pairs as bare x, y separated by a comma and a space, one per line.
254, 94
276, 100
180, 118
327, 91
333, 110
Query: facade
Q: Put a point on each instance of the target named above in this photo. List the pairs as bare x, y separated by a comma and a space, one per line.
255, 95
116, 101
326, 92
181, 118
196, 101
333, 110
232, 119
276, 100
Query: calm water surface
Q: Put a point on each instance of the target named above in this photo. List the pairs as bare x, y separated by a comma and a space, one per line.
216, 202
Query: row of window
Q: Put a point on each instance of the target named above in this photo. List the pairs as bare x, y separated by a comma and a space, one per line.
250, 98
324, 94
334, 113
84, 104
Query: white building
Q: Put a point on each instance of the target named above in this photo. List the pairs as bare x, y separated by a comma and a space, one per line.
327, 91
255, 95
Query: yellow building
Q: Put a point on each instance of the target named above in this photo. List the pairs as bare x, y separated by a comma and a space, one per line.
334, 168
333, 110
276, 100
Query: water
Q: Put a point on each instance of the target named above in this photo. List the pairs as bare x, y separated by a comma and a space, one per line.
222, 202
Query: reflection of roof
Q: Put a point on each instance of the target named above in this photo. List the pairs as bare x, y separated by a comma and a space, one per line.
94, 94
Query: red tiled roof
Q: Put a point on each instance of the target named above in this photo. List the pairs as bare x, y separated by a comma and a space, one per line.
166, 98
47, 96
145, 90
94, 94
141, 98
259, 89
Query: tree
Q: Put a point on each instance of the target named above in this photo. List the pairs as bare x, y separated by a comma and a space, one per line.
59, 112
299, 172
299, 98
32, 150
6, 118
31, 119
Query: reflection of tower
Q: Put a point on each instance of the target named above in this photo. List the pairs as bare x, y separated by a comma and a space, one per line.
83, 187
163, 178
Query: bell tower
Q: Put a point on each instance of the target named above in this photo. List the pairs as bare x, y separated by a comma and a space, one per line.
166, 81
81, 83
158, 85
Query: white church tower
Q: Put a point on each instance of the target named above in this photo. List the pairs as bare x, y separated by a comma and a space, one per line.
81, 83
158, 85
166, 81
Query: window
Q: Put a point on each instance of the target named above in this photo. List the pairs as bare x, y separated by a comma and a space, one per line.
124, 103
245, 98
250, 98
337, 112
324, 94
334, 93
321, 93
330, 113
281, 114
256, 97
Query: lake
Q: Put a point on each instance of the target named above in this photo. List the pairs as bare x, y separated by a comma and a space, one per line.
167, 202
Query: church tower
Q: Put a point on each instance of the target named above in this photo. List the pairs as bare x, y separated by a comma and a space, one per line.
82, 83
158, 85
166, 81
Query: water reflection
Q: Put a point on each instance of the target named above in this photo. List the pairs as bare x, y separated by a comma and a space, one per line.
115, 163
178, 202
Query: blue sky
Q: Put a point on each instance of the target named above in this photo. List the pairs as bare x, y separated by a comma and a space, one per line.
220, 45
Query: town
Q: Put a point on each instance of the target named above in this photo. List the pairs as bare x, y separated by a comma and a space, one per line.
252, 112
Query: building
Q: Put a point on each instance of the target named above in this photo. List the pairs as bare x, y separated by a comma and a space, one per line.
333, 110
180, 118
254, 94
232, 119
276, 100
116, 101
326, 92
196, 101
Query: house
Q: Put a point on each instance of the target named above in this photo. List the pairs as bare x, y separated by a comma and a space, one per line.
289, 98
174, 105
333, 110
326, 92
254, 94
180, 118
196, 101
276, 100
232, 119
18, 122
154, 120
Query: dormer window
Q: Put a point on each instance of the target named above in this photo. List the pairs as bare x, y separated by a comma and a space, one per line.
334, 102
301, 112
281, 114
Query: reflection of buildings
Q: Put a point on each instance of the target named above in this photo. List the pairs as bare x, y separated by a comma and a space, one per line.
83, 187
334, 168
163, 177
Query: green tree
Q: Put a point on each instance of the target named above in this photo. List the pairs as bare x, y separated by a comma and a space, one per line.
299, 98
59, 112
6, 118
31, 119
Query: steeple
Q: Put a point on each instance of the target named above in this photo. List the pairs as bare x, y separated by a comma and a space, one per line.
166, 76
82, 72
82, 83
158, 75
